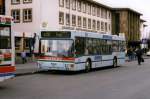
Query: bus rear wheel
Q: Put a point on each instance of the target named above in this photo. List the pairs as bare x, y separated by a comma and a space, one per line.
115, 62
87, 66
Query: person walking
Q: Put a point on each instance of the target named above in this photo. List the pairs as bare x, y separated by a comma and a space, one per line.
129, 54
24, 57
139, 54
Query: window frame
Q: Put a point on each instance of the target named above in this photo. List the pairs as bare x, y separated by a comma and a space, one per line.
89, 9
79, 21
89, 23
94, 24
15, 2
94, 10
27, 15
14, 10
84, 22
67, 19
102, 26
84, 6
106, 27
74, 4
28, 1
98, 12
62, 18
79, 5
98, 25
61, 3
74, 20
67, 5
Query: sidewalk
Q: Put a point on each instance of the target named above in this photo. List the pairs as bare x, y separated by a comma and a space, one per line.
25, 69
144, 56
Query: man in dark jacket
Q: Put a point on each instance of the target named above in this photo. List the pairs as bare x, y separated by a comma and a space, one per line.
129, 54
139, 53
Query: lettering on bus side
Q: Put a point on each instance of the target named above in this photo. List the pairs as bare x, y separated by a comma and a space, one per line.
98, 58
107, 37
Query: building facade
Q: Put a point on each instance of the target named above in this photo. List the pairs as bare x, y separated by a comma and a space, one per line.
127, 21
144, 35
34, 16
142, 29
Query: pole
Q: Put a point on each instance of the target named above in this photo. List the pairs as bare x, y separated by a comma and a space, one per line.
23, 45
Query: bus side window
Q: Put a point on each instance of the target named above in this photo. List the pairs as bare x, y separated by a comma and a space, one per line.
89, 45
86, 51
114, 46
79, 46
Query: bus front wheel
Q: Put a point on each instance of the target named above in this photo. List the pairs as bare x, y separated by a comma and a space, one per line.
87, 66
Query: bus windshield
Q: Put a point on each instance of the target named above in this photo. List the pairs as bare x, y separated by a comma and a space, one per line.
5, 38
57, 48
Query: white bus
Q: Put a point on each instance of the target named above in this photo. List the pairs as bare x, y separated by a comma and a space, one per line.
75, 51
7, 65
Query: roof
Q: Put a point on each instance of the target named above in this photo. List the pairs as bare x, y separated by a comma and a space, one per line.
145, 25
99, 4
112, 8
127, 9
142, 20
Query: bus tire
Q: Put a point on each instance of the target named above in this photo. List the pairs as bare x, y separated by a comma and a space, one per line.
115, 64
88, 66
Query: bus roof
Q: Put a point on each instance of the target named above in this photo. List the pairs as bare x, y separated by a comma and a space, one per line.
97, 35
72, 34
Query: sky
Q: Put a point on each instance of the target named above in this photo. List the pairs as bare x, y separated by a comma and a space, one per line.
142, 6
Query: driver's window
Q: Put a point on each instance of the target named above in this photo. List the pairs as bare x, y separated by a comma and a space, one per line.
79, 46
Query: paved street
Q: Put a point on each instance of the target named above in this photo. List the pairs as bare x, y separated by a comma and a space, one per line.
126, 82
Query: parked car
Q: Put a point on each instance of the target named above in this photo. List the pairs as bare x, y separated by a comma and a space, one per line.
148, 53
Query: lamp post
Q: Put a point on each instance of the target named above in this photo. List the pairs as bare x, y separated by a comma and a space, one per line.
23, 41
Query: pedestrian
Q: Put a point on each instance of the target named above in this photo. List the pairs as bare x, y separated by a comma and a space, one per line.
139, 54
24, 57
129, 54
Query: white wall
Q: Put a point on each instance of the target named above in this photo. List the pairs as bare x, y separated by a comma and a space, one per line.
30, 27
49, 14
45, 16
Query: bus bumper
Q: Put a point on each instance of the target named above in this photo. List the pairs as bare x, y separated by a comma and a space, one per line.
56, 66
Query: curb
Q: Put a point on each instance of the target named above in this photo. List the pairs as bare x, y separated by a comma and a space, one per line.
26, 73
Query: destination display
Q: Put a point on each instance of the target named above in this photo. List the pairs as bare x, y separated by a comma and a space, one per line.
55, 34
